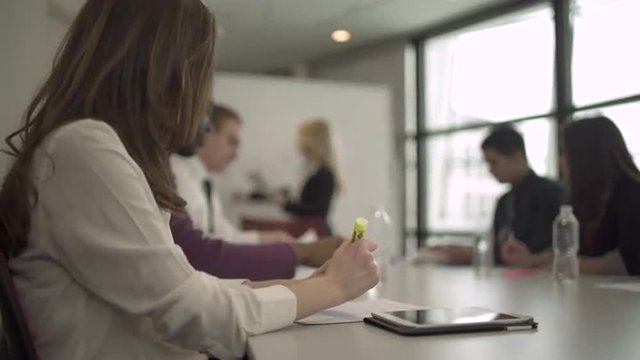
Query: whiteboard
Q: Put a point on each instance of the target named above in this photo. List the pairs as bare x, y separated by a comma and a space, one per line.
360, 119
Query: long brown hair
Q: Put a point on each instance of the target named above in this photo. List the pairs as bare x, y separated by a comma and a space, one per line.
145, 68
598, 159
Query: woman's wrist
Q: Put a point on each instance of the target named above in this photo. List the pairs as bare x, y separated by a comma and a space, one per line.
334, 289
267, 283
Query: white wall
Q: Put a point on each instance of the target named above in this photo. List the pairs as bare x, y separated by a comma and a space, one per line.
389, 64
29, 37
381, 64
273, 107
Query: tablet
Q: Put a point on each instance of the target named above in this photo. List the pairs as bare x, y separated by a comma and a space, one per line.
447, 320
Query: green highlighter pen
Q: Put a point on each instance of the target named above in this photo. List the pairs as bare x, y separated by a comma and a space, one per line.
359, 229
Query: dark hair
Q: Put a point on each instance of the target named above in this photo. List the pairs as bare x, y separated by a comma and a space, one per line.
144, 67
598, 159
219, 114
505, 140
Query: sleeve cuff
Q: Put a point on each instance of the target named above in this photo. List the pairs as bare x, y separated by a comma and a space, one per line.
247, 238
279, 307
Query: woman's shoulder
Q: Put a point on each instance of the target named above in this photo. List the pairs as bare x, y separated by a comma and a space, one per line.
83, 129
324, 170
86, 144
82, 136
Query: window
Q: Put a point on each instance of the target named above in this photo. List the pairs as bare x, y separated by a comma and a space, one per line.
497, 72
606, 57
460, 191
491, 73
411, 195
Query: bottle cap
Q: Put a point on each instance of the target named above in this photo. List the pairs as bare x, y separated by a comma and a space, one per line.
566, 209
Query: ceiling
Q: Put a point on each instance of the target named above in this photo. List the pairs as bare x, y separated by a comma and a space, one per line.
265, 35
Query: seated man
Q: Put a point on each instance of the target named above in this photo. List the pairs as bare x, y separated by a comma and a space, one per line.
527, 211
218, 149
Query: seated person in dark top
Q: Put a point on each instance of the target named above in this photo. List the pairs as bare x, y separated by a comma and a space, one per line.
322, 180
605, 194
527, 211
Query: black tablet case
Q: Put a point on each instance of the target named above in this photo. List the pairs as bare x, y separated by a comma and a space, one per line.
464, 328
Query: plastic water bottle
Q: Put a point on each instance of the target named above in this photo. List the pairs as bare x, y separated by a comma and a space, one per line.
381, 229
566, 245
483, 260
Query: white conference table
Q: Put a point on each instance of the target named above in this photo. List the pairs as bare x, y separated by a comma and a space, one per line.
581, 322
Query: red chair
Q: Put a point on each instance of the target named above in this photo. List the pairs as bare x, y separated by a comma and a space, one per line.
17, 343
295, 227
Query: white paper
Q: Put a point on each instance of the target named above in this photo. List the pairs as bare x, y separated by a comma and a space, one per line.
627, 286
355, 311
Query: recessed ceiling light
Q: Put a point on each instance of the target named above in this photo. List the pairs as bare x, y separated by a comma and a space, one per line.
341, 36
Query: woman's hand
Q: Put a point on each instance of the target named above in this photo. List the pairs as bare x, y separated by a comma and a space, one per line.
352, 268
347, 275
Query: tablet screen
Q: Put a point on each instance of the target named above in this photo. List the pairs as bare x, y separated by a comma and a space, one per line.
451, 316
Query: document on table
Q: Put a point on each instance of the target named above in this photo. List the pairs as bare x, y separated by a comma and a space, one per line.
627, 286
355, 311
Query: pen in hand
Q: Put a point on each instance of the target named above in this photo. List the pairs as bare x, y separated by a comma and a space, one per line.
359, 229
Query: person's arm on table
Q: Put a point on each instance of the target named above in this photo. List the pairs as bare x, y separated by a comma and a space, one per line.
232, 261
253, 262
352, 264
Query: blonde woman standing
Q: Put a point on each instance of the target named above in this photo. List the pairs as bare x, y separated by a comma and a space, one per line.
323, 180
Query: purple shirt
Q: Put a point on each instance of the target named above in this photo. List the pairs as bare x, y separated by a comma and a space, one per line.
232, 261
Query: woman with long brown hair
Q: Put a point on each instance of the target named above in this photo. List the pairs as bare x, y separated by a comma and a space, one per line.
85, 207
605, 194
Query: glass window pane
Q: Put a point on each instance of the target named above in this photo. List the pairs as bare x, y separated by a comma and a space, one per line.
410, 152
412, 246
627, 118
410, 91
605, 54
411, 197
461, 193
411, 184
498, 72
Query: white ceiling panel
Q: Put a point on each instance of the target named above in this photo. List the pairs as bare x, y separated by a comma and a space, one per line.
262, 35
